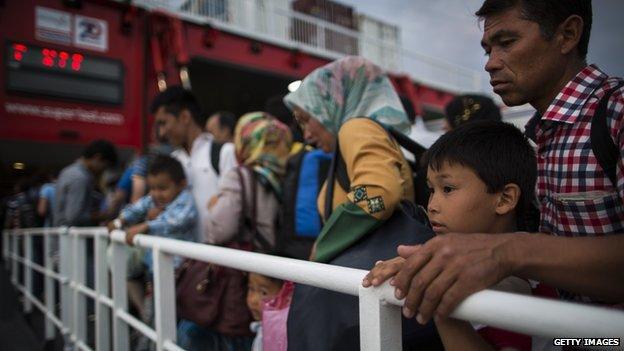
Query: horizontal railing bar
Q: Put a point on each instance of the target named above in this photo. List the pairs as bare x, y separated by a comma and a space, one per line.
137, 324
36, 231
336, 278
84, 290
489, 307
41, 307
106, 301
88, 231
39, 268
81, 345
171, 346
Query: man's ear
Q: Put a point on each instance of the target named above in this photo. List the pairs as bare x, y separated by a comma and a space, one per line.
569, 33
508, 199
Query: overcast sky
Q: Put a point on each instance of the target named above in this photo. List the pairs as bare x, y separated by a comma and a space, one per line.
448, 30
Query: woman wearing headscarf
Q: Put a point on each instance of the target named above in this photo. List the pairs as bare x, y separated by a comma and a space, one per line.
262, 146
347, 100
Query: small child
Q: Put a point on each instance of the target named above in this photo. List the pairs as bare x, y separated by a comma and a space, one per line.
260, 288
482, 179
168, 211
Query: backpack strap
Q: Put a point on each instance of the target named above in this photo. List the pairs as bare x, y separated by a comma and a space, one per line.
253, 220
215, 155
606, 151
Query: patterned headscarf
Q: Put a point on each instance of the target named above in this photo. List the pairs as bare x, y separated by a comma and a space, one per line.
346, 88
263, 144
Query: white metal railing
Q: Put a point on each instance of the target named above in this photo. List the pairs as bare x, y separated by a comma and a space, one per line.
275, 22
380, 317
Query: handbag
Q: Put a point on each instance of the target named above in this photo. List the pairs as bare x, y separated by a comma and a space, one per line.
326, 320
213, 296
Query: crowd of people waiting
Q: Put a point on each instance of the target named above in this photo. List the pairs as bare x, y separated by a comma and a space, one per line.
530, 213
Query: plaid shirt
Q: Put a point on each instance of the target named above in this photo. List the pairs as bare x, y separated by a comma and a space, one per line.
576, 196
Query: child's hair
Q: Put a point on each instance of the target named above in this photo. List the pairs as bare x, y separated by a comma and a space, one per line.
497, 152
166, 164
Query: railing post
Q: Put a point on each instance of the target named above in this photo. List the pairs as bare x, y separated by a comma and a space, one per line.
79, 278
102, 312
380, 323
15, 251
5, 247
164, 298
28, 276
48, 283
120, 295
65, 270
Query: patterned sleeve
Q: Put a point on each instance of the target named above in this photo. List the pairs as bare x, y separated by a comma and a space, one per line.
373, 163
136, 212
178, 218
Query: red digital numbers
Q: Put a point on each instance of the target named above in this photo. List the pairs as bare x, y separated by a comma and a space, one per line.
18, 52
51, 58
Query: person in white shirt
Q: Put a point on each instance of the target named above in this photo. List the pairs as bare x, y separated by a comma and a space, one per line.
418, 131
178, 117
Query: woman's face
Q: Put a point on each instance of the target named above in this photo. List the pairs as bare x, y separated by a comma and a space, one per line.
314, 132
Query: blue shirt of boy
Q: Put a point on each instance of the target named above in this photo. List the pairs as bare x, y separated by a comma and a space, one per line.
177, 221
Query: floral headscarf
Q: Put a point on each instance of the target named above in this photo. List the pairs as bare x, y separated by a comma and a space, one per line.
263, 144
346, 88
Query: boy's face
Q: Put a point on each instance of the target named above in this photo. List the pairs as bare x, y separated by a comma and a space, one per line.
459, 201
163, 189
258, 289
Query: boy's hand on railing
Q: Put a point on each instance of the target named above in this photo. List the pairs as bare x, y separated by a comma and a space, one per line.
383, 271
131, 232
439, 274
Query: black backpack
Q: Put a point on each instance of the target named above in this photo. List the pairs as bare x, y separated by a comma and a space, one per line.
299, 222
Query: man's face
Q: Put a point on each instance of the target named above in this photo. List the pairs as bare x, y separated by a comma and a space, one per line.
221, 134
524, 67
170, 126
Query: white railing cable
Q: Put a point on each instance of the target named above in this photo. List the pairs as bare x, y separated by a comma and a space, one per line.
380, 321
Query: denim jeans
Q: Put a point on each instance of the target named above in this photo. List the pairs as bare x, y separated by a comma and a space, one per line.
192, 337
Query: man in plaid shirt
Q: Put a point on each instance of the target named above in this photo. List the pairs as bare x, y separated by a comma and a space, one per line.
537, 52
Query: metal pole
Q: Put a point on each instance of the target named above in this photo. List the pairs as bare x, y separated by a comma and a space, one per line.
164, 298
79, 278
65, 270
380, 323
102, 312
15, 251
120, 293
48, 283
28, 281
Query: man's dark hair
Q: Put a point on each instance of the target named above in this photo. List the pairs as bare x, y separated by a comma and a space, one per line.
227, 120
497, 152
409, 108
102, 147
548, 14
166, 164
177, 99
